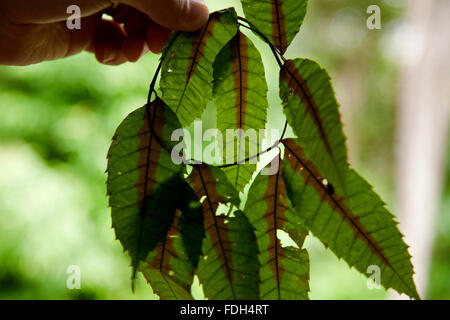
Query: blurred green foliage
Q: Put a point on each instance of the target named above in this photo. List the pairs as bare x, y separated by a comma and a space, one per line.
57, 119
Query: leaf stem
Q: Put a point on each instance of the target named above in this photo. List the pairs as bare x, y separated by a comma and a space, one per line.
153, 83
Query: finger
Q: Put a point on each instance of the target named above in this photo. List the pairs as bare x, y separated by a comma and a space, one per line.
80, 40
135, 24
118, 12
24, 44
134, 45
157, 37
133, 48
108, 43
185, 15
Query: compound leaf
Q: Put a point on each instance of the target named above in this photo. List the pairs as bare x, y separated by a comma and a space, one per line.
187, 67
284, 271
229, 267
278, 20
357, 227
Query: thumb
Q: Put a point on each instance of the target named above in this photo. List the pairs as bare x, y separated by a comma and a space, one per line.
184, 15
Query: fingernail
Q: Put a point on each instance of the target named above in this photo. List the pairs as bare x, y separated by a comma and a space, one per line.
110, 55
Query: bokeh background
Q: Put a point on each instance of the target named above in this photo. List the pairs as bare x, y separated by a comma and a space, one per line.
57, 119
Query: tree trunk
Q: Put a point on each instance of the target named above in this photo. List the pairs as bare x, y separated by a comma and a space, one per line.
422, 128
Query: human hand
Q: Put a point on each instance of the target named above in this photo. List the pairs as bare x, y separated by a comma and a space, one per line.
32, 31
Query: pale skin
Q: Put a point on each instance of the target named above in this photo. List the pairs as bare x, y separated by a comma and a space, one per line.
32, 31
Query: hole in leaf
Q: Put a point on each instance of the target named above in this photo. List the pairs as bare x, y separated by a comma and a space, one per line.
285, 239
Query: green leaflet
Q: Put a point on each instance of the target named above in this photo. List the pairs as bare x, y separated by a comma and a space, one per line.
357, 227
313, 113
163, 285
170, 267
192, 227
240, 174
187, 66
142, 179
240, 96
229, 267
284, 271
244, 277
167, 268
278, 20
